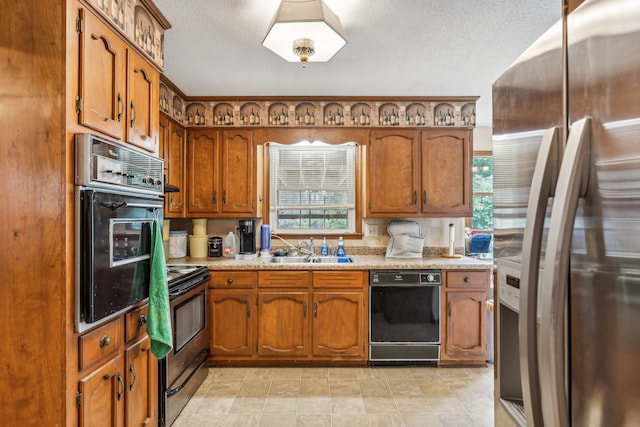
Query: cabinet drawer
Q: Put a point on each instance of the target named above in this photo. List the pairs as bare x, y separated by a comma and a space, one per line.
100, 344
282, 279
232, 279
136, 323
467, 279
337, 279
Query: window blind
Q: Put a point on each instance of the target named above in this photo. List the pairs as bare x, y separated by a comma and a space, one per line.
312, 181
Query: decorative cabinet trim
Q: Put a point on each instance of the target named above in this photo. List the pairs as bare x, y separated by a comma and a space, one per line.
142, 24
317, 111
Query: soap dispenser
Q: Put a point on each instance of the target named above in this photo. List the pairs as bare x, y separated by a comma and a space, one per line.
340, 251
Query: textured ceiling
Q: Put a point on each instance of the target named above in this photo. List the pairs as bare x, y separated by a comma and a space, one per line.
395, 48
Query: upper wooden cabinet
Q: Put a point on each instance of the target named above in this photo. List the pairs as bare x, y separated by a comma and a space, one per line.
118, 88
173, 148
102, 81
419, 173
221, 170
142, 107
393, 172
238, 172
446, 172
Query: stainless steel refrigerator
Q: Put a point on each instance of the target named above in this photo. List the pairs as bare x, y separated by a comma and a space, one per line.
567, 223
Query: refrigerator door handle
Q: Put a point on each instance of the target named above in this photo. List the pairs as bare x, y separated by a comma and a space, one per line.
572, 184
544, 178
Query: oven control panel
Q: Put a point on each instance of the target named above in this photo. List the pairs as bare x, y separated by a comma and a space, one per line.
405, 277
104, 163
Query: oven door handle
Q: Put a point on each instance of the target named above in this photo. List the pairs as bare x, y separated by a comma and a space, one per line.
176, 390
115, 206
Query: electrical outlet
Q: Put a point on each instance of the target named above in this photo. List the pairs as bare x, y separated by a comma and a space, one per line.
372, 230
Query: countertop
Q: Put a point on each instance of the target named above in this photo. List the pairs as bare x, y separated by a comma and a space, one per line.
364, 262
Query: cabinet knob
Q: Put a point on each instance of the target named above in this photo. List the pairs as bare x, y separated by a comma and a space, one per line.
467, 279
143, 320
230, 281
105, 341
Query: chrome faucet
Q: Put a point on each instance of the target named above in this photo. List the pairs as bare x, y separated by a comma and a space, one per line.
301, 245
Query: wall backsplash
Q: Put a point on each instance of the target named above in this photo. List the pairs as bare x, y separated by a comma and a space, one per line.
435, 231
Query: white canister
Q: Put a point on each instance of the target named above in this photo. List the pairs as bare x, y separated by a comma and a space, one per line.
178, 244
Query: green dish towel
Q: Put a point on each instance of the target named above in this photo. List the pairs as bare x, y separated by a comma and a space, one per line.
159, 318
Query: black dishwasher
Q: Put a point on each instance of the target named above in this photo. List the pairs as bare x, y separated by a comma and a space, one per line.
404, 315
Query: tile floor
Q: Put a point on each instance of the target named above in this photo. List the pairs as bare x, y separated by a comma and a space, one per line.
350, 397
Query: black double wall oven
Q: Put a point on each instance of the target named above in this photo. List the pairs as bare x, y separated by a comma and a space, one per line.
118, 195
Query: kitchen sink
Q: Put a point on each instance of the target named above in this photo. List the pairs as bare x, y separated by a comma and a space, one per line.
306, 259
288, 259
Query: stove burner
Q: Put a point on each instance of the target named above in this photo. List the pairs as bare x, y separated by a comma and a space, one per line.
181, 278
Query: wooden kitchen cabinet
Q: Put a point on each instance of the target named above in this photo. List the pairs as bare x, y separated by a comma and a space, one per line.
173, 148
465, 317
101, 101
311, 316
101, 396
283, 313
141, 381
339, 314
221, 170
118, 89
419, 173
446, 172
393, 172
119, 386
233, 315
283, 323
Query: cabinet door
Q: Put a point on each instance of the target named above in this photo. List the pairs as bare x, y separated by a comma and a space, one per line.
446, 172
174, 153
238, 172
466, 325
338, 324
393, 172
233, 323
142, 104
102, 75
203, 153
141, 367
283, 324
103, 396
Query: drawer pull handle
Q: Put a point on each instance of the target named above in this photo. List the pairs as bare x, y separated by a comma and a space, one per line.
105, 341
315, 309
467, 279
133, 377
143, 320
122, 386
230, 281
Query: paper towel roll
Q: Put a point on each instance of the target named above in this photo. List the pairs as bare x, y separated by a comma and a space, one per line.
451, 239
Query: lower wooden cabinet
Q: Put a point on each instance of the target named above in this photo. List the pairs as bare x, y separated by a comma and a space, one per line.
141, 384
232, 323
119, 383
297, 316
283, 324
101, 396
338, 324
465, 317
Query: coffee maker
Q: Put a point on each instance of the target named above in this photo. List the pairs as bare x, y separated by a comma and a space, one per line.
246, 230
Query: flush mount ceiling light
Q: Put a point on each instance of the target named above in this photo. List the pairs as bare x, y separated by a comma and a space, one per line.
305, 30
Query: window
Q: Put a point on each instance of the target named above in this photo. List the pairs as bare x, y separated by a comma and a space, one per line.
482, 172
312, 188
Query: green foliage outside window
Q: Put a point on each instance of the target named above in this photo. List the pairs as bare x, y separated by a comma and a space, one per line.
483, 193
